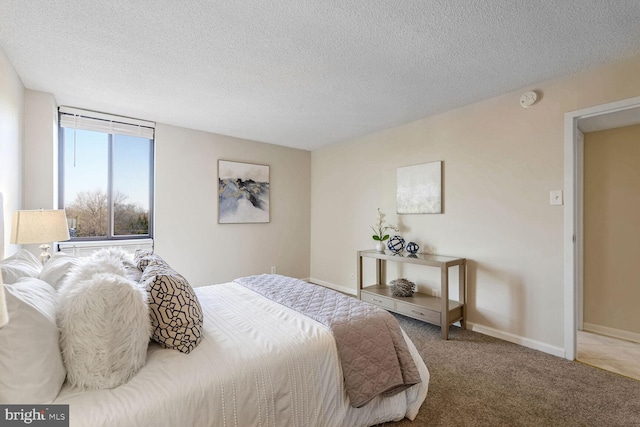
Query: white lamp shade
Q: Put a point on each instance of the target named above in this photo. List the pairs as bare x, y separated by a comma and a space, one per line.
39, 226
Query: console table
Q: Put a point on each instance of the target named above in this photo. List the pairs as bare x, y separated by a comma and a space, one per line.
439, 311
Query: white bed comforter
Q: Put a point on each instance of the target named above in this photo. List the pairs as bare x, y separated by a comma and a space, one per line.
258, 364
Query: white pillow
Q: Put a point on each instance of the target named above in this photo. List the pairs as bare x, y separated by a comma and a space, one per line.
31, 369
22, 264
56, 269
104, 327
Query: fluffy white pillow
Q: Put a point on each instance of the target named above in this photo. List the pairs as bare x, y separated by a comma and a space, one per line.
104, 323
31, 369
22, 264
56, 269
109, 260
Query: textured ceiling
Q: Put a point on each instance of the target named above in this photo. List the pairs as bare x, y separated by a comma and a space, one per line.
304, 73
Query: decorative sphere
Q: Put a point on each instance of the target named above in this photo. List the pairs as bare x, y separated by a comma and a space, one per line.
396, 244
413, 248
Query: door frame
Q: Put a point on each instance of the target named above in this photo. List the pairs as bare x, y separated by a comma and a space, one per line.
573, 213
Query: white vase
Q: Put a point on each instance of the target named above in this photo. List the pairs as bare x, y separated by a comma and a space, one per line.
380, 246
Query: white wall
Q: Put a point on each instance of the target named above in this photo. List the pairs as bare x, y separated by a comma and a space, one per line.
187, 234
39, 150
11, 120
39, 154
499, 163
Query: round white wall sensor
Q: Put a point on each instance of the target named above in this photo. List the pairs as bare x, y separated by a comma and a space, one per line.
528, 99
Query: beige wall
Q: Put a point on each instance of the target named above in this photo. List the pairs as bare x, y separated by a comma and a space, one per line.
499, 163
187, 234
186, 231
611, 232
11, 120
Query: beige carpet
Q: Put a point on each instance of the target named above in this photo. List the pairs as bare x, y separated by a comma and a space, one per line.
477, 380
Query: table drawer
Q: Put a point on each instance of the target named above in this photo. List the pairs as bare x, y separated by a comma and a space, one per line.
418, 312
378, 300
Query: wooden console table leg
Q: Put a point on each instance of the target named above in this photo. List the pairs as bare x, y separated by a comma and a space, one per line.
444, 297
462, 292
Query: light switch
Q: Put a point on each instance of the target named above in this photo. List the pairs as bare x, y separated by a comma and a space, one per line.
555, 197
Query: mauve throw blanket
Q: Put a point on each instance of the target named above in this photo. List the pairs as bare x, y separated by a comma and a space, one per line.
374, 355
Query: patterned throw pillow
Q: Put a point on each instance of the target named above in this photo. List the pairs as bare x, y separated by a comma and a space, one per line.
176, 314
142, 258
139, 253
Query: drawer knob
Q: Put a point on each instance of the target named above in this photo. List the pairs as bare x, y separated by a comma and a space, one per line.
417, 312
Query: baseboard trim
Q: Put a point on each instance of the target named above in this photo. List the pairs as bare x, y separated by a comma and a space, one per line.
611, 332
517, 339
333, 286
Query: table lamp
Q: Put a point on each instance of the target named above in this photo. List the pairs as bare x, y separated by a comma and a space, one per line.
39, 226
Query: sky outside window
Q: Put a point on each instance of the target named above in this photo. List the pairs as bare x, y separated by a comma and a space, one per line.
89, 171
131, 169
86, 166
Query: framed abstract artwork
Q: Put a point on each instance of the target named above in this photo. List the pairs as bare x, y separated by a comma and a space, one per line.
243, 192
419, 189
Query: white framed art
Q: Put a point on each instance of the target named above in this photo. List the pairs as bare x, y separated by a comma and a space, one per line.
243, 192
419, 189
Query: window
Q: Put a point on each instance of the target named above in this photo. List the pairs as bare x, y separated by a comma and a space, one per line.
106, 175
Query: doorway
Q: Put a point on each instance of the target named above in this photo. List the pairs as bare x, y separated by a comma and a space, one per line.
608, 331
607, 116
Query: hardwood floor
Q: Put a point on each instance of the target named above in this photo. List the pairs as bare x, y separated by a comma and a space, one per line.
611, 354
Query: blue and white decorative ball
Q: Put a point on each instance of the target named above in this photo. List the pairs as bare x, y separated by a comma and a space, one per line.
413, 248
396, 244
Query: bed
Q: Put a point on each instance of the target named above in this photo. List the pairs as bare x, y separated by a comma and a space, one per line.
257, 363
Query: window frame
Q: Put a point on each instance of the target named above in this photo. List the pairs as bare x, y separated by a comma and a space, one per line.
110, 211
